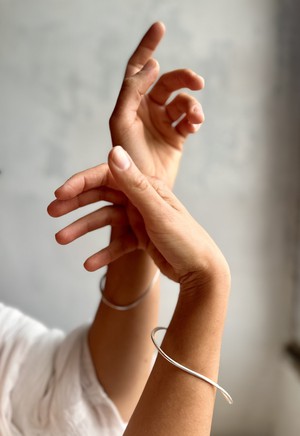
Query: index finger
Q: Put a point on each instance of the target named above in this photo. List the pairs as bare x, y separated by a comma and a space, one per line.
173, 81
145, 48
83, 181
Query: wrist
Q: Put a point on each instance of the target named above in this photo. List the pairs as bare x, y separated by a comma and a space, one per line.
216, 280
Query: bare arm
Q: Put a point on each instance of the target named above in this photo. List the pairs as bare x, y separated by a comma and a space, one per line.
119, 340
143, 122
173, 402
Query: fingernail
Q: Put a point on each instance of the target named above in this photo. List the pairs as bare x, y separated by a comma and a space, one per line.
120, 158
196, 127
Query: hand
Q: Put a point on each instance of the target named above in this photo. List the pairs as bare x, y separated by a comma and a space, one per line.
144, 123
158, 222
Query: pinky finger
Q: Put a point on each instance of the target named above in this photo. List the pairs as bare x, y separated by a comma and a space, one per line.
116, 249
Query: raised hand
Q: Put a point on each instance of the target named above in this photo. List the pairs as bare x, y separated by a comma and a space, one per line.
151, 127
159, 224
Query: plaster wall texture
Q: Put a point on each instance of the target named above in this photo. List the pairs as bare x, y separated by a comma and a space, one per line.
61, 65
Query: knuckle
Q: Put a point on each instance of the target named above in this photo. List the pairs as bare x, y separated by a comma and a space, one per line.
117, 119
131, 87
129, 94
159, 185
112, 119
184, 96
185, 76
162, 189
141, 184
188, 72
166, 194
129, 83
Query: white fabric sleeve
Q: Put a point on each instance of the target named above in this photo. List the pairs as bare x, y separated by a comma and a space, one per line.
48, 384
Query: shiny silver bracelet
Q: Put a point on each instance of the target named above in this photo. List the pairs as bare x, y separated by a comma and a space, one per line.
188, 370
130, 305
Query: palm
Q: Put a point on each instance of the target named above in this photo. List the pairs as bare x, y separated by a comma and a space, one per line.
153, 143
143, 123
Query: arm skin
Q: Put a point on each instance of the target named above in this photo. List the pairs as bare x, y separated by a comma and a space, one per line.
173, 402
143, 122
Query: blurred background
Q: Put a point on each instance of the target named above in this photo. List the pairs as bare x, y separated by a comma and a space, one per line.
61, 65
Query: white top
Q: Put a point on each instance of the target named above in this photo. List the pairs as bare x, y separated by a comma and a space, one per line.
48, 384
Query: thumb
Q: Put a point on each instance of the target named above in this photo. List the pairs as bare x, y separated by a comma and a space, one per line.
134, 184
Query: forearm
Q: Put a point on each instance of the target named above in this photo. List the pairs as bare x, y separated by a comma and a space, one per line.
174, 402
119, 341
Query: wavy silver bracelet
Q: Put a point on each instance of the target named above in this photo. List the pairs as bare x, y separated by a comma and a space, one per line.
188, 370
130, 305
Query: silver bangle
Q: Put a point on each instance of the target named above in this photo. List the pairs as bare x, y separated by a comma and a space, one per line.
188, 370
130, 305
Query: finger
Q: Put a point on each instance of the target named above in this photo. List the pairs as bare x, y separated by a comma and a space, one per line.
185, 127
173, 81
151, 203
132, 91
185, 104
61, 207
116, 249
145, 49
108, 215
84, 181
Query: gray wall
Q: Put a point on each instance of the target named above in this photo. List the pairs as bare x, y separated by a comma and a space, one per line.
61, 64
